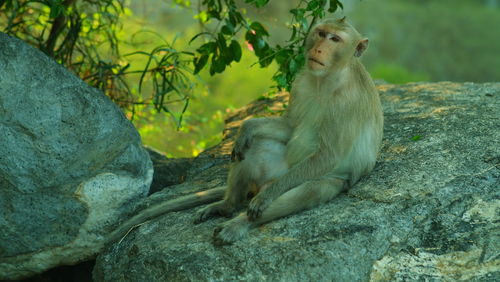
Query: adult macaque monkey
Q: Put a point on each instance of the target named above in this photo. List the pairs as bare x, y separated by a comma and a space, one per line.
328, 138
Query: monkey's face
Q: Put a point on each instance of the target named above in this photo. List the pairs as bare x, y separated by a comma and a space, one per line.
330, 48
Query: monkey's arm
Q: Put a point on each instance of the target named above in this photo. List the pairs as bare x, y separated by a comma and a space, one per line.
178, 204
276, 128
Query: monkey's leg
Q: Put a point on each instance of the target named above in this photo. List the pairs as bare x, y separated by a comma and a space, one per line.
238, 185
304, 196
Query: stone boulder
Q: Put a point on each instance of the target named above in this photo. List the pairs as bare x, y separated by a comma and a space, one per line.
70, 164
430, 210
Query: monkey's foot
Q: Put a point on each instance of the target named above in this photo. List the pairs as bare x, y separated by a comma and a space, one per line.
218, 208
257, 206
231, 231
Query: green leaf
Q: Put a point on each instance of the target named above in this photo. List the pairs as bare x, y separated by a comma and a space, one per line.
227, 56
250, 37
202, 16
281, 80
221, 41
214, 14
298, 13
319, 13
304, 23
334, 4
225, 53
217, 65
266, 57
261, 3
233, 18
416, 137
236, 49
227, 30
186, 104
199, 63
257, 3
300, 59
294, 33
283, 55
293, 66
312, 5
260, 43
220, 65
207, 48
340, 5
197, 35
259, 29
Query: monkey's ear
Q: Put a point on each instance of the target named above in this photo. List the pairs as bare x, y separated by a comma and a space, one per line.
361, 47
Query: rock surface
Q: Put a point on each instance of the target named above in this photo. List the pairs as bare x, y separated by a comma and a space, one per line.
167, 172
70, 164
430, 210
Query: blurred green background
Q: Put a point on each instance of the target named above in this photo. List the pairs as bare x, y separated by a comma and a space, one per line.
410, 40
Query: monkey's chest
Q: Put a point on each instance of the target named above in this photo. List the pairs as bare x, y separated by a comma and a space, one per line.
307, 113
303, 144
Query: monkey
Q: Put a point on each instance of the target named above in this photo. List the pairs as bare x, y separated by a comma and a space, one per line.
328, 138
334, 125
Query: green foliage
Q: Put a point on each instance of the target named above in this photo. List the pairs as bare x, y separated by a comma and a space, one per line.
67, 30
76, 32
289, 57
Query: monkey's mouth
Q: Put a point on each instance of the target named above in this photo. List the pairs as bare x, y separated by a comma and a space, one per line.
316, 61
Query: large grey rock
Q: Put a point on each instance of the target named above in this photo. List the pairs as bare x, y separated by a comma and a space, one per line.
70, 164
430, 211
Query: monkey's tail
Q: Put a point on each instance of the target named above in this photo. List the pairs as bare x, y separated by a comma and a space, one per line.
181, 203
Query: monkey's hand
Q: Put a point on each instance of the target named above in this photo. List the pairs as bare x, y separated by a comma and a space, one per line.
258, 204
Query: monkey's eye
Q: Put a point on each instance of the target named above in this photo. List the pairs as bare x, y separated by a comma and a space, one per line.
334, 38
322, 34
